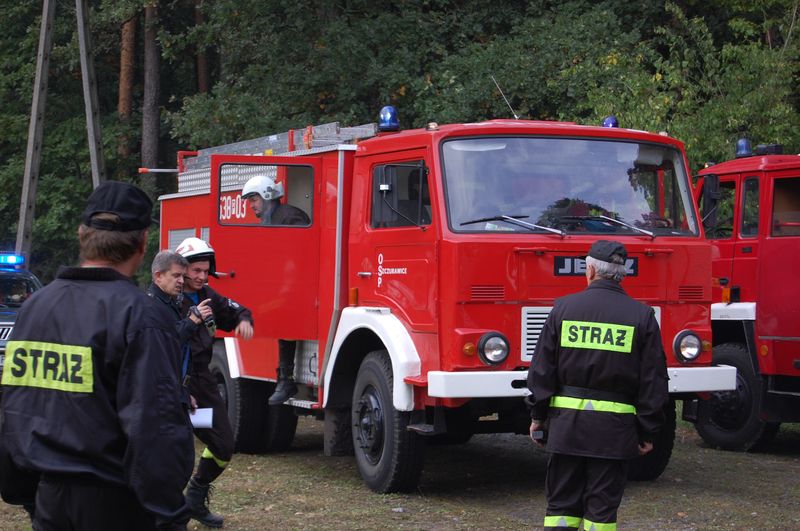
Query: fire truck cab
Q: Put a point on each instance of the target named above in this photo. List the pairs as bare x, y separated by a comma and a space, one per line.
432, 258
751, 214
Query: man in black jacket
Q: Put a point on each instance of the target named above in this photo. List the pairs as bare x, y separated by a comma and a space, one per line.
227, 315
264, 194
599, 384
91, 397
168, 269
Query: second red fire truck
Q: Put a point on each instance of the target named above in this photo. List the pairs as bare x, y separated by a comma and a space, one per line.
751, 213
432, 258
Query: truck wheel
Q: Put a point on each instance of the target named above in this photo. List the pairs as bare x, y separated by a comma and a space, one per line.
730, 419
651, 466
257, 428
388, 456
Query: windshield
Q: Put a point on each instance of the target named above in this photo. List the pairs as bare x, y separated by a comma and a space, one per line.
566, 184
15, 288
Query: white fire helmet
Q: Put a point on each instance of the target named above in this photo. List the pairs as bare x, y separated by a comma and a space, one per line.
197, 250
265, 186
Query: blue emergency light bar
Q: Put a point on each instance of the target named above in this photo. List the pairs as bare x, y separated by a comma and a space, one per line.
7, 259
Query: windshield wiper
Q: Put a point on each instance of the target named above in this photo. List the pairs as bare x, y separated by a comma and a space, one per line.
637, 229
607, 218
516, 220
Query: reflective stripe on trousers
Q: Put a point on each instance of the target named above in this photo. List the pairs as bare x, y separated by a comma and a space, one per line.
588, 525
586, 404
574, 522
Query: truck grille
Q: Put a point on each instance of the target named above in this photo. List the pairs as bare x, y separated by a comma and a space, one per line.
533, 318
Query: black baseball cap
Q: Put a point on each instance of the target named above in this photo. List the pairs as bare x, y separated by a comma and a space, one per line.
608, 251
130, 203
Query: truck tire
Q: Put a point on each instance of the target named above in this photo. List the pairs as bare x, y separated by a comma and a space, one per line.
731, 419
651, 466
257, 427
388, 455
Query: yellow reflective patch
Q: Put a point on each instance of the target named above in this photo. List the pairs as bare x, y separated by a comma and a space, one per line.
49, 366
588, 525
597, 336
563, 521
587, 404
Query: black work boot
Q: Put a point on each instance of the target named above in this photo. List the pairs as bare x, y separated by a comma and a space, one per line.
197, 497
286, 387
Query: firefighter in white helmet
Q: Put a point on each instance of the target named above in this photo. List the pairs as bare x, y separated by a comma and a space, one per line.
227, 315
263, 195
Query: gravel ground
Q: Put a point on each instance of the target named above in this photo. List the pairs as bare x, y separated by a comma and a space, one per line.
496, 482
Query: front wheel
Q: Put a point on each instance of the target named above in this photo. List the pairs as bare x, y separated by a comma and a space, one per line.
651, 466
731, 419
388, 456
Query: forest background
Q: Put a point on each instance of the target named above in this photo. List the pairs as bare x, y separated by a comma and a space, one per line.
188, 74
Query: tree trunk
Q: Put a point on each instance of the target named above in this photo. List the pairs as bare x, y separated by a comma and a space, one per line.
150, 110
125, 102
202, 59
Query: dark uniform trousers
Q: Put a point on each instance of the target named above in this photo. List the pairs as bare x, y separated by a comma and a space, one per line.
219, 438
584, 488
64, 502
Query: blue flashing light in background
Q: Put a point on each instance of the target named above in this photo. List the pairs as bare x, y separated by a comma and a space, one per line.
11, 259
743, 148
610, 121
387, 120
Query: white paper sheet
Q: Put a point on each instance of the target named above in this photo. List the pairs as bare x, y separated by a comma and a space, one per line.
202, 417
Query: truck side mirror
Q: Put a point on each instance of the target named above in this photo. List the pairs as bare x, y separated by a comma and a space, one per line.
710, 198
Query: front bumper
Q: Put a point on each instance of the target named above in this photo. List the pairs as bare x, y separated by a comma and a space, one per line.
489, 384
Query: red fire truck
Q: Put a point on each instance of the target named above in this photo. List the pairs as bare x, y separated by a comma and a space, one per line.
751, 214
418, 289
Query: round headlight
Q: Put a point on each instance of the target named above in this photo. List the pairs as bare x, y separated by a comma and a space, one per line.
493, 348
687, 345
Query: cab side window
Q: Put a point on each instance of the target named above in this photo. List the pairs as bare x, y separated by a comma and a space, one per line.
750, 207
723, 228
400, 195
786, 207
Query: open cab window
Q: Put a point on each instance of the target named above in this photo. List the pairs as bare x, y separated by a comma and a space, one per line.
279, 195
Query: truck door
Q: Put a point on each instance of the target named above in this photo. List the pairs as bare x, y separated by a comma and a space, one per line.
778, 309
746, 249
270, 263
395, 260
719, 228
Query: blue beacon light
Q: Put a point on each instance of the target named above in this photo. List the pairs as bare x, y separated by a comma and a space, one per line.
11, 259
387, 120
743, 148
610, 121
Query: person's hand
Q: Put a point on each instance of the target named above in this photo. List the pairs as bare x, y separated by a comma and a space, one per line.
536, 426
244, 330
645, 448
204, 310
192, 403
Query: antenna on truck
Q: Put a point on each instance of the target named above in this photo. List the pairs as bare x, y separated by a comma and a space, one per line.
504, 97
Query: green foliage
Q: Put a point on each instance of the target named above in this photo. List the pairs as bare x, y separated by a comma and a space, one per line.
706, 72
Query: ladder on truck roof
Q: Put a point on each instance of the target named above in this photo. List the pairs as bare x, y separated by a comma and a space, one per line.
195, 171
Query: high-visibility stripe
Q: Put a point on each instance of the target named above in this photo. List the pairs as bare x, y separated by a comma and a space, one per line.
49, 366
588, 525
585, 404
208, 455
597, 336
563, 521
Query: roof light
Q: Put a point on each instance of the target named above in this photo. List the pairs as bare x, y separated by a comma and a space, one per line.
11, 259
743, 148
610, 121
387, 120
